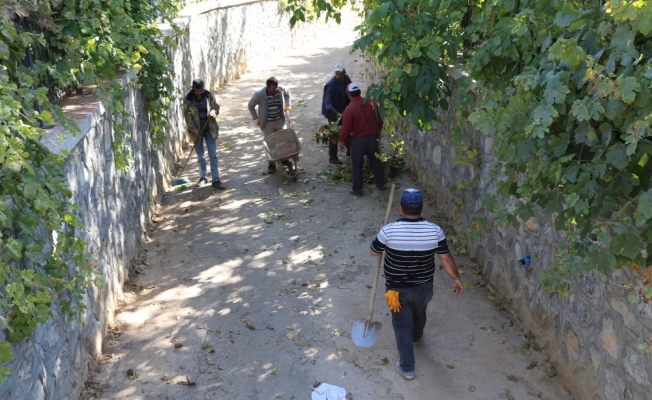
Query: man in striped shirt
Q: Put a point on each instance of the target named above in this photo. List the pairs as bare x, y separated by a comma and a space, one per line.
410, 245
272, 101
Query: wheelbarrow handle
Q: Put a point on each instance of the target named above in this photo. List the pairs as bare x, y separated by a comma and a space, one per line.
287, 114
380, 258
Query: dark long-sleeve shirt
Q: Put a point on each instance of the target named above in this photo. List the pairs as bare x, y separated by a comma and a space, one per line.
360, 119
335, 97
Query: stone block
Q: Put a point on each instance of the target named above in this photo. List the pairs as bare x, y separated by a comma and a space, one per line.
572, 345
609, 339
636, 367
614, 385
622, 308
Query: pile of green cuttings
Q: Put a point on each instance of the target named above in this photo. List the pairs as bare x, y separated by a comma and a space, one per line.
326, 132
342, 173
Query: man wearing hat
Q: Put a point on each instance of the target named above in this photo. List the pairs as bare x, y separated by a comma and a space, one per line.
361, 126
333, 104
410, 245
200, 110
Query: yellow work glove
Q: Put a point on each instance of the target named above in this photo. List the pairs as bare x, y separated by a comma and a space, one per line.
392, 299
287, 108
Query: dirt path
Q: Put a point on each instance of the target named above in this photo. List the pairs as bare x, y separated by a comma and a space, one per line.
256, 253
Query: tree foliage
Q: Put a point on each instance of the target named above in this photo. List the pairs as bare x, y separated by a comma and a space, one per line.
563, 87
567, 97
72, 43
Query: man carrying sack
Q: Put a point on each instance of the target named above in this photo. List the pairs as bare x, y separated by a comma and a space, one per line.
200, 110
410, 245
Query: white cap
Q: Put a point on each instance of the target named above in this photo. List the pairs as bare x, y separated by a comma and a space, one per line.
339, 68
352, 86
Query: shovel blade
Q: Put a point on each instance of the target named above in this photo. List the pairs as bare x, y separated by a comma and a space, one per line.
364, 332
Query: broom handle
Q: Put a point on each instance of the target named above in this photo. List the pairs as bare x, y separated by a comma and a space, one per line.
380, 257
193, 148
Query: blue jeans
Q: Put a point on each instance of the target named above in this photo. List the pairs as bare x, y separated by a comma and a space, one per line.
409, 322
212, 154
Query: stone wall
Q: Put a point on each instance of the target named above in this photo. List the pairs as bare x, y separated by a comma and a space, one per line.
591, 336
222, 39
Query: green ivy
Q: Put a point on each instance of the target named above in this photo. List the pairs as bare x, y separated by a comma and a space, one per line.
565, 90
43, 259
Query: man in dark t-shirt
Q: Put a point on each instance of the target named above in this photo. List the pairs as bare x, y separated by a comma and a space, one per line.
410, 245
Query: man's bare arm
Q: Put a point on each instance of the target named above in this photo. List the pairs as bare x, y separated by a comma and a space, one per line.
451, 269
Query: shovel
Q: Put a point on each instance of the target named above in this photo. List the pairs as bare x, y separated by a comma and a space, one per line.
365, 331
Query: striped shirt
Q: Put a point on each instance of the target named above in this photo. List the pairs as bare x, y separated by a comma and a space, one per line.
274, 107
410, 246
202, 109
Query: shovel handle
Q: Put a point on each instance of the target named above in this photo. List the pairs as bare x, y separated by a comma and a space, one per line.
191, 150
380, 258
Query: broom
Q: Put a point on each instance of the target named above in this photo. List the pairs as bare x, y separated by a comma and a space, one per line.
179, 181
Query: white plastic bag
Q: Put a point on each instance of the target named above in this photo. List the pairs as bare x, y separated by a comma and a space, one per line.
326, 391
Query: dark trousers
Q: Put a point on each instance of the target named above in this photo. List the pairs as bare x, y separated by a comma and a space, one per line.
409, 322
360, 147
332, 147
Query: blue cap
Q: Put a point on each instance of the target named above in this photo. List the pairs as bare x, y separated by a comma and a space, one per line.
411, 198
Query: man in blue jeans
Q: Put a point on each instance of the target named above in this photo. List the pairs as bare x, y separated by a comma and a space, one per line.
200, 110
410, 245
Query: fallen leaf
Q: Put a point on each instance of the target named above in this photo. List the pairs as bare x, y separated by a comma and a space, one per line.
274, 368
517, 333
290, 335
320, 277
471, 338
302, 344
289, 327
532, 365
202, 370
219, 334
165, 378
305, 360
270, 327
492, 297
210, 361
232, 340
513, 378
177, 345
471, 388
526, 352
221, 367
250, 326
209, 347
450, 366
501, 341
316, 287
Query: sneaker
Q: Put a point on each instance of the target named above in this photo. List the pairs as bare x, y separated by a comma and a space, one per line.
415, 344
335, 161
271, 168
355, 193
218, 185
202, 182
407, 375
290, 168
